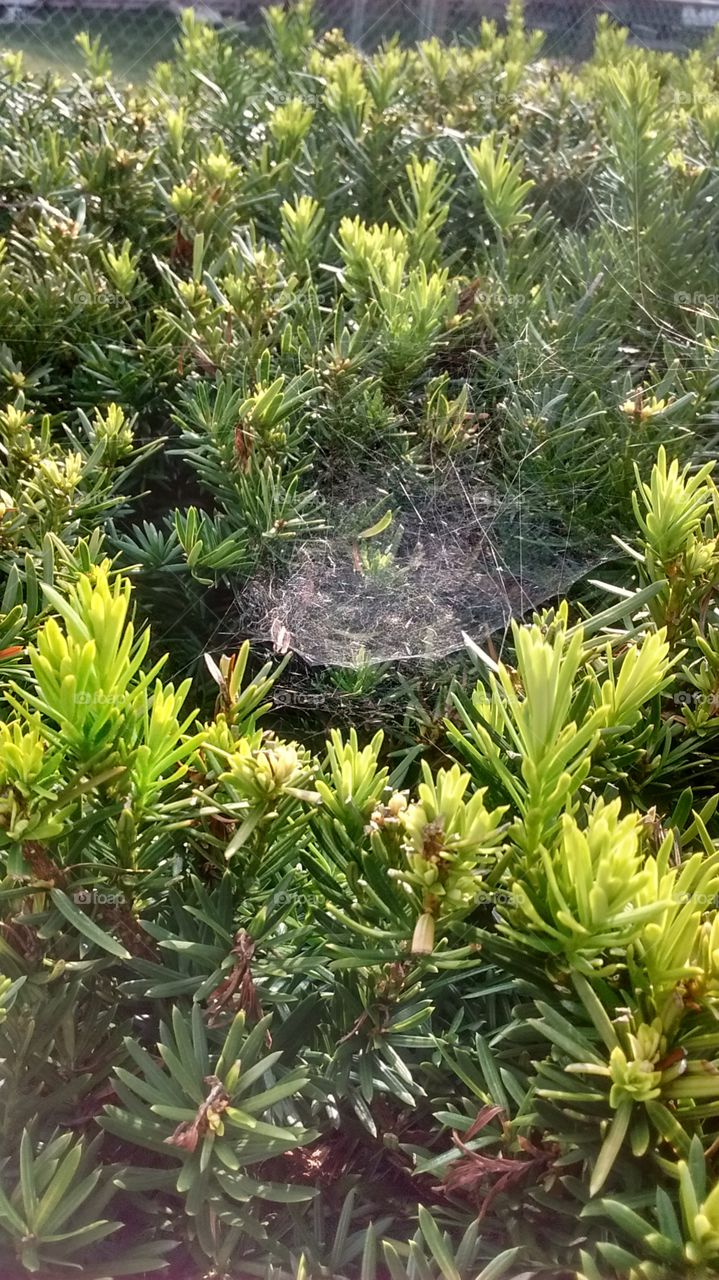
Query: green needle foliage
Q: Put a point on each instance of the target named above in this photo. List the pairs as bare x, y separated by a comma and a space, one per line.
312, 1012
425, 985
439, 262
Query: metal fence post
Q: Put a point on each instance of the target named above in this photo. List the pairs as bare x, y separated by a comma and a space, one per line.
431, 17
357, 21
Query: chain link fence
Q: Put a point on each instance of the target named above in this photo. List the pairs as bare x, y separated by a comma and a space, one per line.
140, 33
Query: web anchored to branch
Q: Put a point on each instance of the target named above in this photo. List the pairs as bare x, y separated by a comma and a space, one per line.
449, 554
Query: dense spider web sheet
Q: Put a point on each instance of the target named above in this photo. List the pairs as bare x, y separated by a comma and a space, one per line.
458, 556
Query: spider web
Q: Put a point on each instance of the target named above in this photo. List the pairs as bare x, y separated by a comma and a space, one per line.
462, 553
